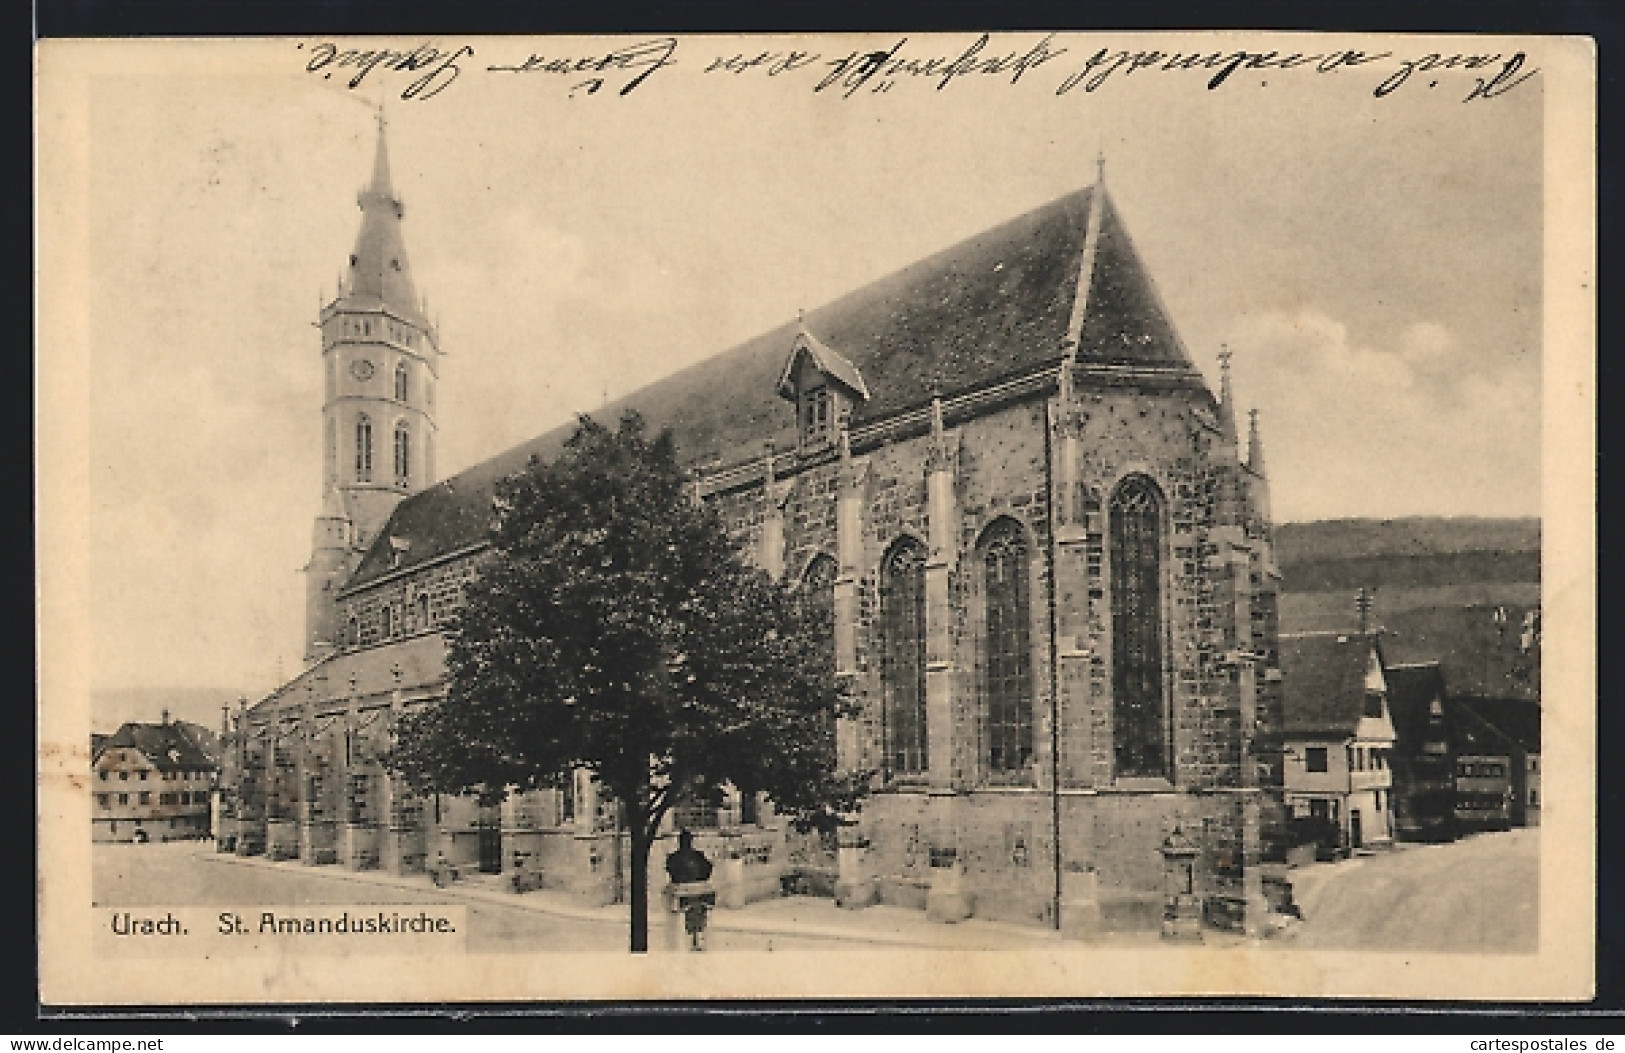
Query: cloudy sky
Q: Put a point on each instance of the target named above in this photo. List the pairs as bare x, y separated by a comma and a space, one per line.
1374, 263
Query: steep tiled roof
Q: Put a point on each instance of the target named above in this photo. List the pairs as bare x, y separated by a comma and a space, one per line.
1513, 720
421, 660
1323, 682
1411, 691
166, 746
993, 306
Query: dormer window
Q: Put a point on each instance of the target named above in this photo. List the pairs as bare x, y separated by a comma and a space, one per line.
824, 385
816, 415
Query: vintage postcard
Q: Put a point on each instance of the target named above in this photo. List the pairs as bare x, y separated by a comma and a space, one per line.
1125, 526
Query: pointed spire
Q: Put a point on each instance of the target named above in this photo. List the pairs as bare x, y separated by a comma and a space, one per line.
1227, 398
379, 273
1255, 445
381, 187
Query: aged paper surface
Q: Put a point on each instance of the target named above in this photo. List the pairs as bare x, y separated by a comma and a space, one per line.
588, 216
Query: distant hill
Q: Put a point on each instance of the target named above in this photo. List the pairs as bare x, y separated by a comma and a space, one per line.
1437, 586
110, 707
1416, 535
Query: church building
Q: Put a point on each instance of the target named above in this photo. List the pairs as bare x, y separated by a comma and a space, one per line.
1046, 547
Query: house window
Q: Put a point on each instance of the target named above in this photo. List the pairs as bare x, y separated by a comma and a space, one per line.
123, 798
422, 610
124, 776
101, 800
1139, 723
400, 382
143, 776
354, 636
749, 810
389, 621
363, 449
103, 774
1007, 652
1314, 758
145, 798
403, 455
902, 620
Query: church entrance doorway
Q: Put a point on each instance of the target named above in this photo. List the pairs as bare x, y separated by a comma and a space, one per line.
489, 827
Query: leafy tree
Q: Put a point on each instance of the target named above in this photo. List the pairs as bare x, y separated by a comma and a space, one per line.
618, 628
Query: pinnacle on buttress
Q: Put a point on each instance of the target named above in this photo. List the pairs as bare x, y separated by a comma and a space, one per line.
1255, 444
1227, 398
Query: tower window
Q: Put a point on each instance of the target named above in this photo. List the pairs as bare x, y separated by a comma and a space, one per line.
363, 449
400, 382
902, 619
403, 455
1139, 723
1007, 652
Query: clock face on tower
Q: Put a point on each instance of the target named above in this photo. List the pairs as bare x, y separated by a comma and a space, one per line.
361, 369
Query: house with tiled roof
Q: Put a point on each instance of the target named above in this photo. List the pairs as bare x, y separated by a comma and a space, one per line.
1497, 754
1045, 547
151, 782
1423, 760
1339, 736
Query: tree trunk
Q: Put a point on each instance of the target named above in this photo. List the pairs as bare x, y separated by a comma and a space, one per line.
640, 881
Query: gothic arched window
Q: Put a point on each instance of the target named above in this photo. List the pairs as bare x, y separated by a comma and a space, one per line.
403, 455
1007, 656
902, 621
1139, 733
363, 449
400, 382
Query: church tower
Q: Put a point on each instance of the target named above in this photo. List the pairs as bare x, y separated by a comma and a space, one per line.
381, 362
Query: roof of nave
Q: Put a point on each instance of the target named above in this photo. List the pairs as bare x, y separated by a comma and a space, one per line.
1323, 682
166, 746
421, 660
997, 305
